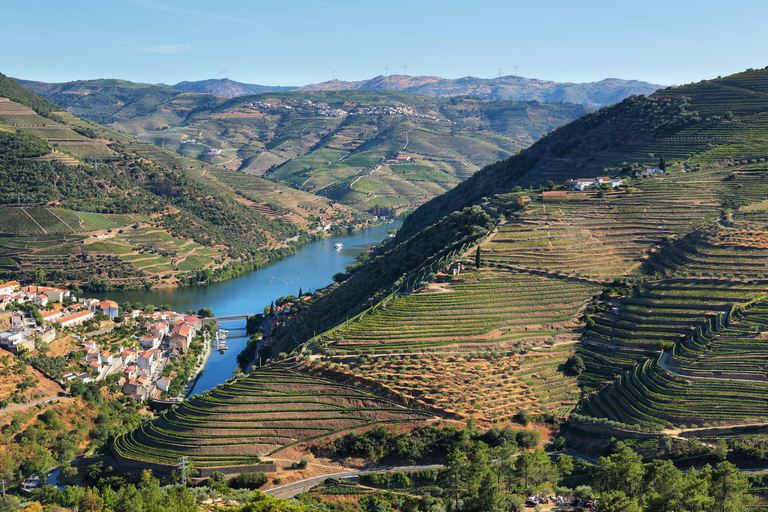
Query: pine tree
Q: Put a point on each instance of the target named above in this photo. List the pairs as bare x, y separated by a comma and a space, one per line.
300, 294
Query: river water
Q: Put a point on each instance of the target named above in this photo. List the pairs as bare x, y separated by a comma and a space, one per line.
311, 268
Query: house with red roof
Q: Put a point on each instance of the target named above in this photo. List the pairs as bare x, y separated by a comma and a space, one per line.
147, 361
128, 356
9, 287
181, 337
51, 316
164, 383
75, 319
107, 307
193, 321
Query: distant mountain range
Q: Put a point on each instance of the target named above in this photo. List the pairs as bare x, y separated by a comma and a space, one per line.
604, 92
593, 94
228, 88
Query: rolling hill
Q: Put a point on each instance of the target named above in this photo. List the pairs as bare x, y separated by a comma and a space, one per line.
634, 312
670, 272
333, 144
86, 204
710, 122
227, 88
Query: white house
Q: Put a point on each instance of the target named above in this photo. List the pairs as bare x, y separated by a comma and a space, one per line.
8, 288
582, 184
147, 360
39, 300
107, 357
649, 172
76, 319
128, 357
107, 307
51, 316
149, 341
163, 383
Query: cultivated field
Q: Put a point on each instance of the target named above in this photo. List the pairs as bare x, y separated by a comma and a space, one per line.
258, 416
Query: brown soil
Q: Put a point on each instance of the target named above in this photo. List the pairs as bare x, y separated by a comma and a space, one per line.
62, 345
9, 382
5, 320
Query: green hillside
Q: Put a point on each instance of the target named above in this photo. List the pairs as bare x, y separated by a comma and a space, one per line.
659, 287
720, 120
637, 313
333, 144
165, 217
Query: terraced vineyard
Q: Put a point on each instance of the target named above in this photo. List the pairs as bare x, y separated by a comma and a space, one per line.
716, 375
489, 385
258, 416
607, 238
708, 319
38, 237
659, 288
291, 138
500, 308
66, 142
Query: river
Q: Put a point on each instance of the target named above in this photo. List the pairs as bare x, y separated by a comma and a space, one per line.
311, 268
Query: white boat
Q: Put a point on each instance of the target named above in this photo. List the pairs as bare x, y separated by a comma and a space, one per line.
338, 245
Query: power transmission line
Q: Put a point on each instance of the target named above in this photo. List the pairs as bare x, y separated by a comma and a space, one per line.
183, 468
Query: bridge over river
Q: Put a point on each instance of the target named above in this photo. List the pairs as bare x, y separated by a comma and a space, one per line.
231, 318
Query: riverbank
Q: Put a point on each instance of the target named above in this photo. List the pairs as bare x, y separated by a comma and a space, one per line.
310, 269
207, 348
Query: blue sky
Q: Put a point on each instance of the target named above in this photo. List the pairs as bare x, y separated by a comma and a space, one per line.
300, 42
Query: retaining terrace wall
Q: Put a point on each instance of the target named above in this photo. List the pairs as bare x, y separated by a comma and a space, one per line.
157, 468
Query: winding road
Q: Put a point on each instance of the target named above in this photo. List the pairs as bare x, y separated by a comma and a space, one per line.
292, 489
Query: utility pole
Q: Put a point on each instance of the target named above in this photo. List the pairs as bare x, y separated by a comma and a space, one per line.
183, 468
3, 487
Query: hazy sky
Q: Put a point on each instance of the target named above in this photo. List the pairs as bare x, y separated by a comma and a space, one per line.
299, 42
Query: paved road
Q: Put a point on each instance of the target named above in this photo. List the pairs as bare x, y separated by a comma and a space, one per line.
292, 489
31, 404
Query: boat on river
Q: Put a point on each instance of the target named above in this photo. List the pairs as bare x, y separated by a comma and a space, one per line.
338, 245
221, 340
